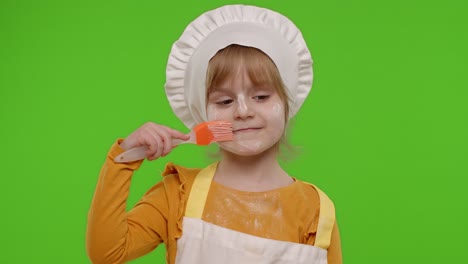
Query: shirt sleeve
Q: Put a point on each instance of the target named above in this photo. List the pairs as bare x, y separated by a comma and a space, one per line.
114, 235
334, 250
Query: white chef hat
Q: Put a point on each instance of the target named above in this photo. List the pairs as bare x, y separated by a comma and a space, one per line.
251, 26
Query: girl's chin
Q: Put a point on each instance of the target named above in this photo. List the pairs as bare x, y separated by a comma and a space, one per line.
244, 148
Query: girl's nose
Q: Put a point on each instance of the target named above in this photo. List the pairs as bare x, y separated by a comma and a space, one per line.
243, 109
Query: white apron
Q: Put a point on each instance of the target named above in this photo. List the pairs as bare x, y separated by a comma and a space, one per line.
206, 243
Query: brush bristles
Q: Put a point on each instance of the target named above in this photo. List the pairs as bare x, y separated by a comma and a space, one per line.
221, 131
214, 131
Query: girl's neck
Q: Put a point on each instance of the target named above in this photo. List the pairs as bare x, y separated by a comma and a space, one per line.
255, 173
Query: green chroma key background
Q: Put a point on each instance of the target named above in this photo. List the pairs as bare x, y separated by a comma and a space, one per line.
383, 132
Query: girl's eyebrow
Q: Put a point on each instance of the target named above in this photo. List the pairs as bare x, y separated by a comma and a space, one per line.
224, 89
218, 90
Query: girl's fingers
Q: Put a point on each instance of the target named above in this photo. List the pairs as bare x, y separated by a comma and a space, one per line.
159, 145
158, 138
152, 146
177, 134
149, 137
167, 141
167, 135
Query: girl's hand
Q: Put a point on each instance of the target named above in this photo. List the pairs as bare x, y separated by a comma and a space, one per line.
158, 138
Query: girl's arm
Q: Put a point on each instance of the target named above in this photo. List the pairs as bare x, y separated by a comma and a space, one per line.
334, 251
113, 235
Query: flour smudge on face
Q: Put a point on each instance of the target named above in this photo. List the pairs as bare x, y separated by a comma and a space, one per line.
242, 105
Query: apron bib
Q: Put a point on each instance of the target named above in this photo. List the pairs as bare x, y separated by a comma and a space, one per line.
205, 243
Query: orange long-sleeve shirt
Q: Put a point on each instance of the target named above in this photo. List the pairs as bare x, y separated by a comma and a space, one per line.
116, 236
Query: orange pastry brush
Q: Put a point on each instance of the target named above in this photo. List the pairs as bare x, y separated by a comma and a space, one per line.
203, 134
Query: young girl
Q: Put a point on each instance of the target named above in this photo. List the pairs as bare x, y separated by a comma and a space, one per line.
248, 66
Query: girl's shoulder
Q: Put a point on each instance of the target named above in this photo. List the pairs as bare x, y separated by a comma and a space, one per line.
174, 170
311, 190
178, 176
172, 190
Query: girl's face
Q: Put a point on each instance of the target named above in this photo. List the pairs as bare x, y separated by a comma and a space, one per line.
256, 113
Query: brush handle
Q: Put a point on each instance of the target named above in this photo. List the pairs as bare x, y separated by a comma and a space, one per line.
139, 153
132, 154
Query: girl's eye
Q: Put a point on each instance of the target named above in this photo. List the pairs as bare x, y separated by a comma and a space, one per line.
261, 97
224, 102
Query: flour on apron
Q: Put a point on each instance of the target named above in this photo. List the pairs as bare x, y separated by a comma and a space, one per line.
206, 243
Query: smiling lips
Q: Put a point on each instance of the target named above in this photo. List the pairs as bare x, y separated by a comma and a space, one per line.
247, 129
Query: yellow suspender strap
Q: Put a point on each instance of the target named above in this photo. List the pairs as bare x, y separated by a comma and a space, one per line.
199, 192
326, 220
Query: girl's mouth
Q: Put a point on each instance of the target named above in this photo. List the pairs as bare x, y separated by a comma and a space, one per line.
247, 129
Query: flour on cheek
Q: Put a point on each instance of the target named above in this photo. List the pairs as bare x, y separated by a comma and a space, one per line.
277, 111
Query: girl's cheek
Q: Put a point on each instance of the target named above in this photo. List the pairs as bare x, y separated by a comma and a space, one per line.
213, 113
275, 115
275, 112
277, 109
